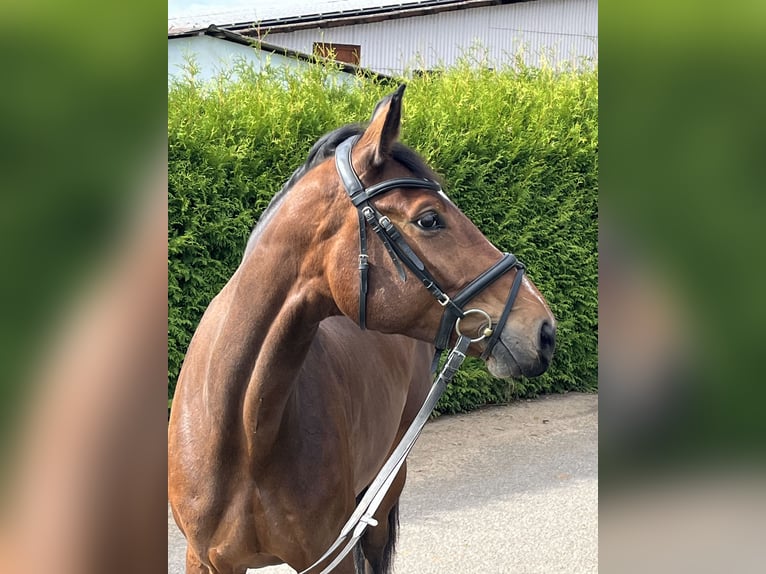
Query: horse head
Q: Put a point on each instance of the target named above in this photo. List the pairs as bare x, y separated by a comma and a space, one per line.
382, 188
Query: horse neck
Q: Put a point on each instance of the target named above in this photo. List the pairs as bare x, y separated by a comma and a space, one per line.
262, 326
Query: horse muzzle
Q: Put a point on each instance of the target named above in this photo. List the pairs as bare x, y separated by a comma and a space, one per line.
514, 355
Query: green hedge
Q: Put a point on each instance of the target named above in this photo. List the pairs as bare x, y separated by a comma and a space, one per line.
517, 149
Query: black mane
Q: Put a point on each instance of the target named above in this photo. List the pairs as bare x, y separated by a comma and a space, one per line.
325, 148
326, 145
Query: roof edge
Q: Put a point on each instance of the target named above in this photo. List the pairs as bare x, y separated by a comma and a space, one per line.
358, 16
363, 15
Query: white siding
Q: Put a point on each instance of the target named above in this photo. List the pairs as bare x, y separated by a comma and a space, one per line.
214, 56
564, 30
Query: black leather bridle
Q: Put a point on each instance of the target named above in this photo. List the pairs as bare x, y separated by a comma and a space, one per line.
454, 311
401, 253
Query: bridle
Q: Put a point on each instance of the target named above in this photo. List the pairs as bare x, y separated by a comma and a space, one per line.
400, 252
454, 312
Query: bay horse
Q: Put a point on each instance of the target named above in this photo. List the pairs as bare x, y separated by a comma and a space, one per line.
285, 408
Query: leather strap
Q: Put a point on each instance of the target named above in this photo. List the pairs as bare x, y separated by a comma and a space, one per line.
345, 168
400, 251
450, 317
495, 336
364, 267
398, 183
370, 216
486, 279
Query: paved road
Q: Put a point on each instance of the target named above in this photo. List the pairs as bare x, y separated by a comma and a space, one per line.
504, 490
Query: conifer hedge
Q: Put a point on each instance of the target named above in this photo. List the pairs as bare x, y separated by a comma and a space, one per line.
517, 150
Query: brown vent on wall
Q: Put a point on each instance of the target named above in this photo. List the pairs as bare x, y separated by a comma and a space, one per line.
348, 53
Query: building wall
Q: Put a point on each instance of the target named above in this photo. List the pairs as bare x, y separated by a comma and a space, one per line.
214, 55
563, 30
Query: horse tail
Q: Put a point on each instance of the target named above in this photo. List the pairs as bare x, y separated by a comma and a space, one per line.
387, 560
382, 559
359, 561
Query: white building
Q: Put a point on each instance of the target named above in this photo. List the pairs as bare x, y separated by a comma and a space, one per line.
215, 50
394, 38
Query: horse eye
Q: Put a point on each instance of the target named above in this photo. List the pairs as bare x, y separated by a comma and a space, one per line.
428, 221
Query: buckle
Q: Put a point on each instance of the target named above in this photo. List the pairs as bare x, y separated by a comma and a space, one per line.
453, 362
443, 299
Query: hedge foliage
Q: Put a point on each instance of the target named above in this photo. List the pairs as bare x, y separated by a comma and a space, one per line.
517, 150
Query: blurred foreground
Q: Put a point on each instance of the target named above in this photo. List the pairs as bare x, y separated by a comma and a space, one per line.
681, 281
82, 288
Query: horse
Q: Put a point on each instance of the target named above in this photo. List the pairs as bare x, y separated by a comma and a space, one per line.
311, 362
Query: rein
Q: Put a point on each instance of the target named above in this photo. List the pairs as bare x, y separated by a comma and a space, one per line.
362, 516
454, 312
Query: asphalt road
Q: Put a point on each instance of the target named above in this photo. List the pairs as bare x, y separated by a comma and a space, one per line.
503, 490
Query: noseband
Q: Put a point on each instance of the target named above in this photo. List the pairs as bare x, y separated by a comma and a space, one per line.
401, 253
454, 311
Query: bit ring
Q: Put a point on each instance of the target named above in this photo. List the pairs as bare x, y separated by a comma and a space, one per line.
484, 331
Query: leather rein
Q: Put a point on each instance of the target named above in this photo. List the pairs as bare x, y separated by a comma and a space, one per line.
454, 311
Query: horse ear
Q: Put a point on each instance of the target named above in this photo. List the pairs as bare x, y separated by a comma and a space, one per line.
377, 141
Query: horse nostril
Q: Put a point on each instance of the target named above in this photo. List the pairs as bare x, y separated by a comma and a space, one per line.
547, 337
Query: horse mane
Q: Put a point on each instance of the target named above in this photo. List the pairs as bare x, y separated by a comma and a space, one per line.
319, 152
